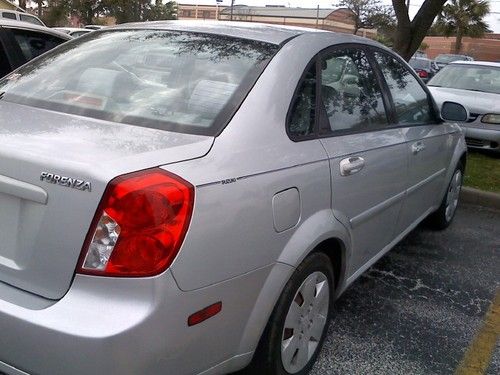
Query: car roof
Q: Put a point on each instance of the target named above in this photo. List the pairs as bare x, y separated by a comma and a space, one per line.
32, 27
481, 63
71, 29
453, 54
275, 34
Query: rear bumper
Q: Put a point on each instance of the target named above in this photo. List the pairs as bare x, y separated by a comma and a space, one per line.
134, 326
484, 139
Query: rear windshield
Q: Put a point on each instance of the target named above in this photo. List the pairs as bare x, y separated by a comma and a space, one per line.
178, 81
420, 63
450, 58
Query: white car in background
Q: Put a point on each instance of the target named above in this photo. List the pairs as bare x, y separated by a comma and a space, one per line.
475, 85
14, 15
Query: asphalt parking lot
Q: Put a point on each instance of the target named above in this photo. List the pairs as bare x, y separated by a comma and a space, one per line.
419, 308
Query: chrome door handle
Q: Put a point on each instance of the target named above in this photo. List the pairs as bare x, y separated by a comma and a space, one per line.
417, 147
349, 166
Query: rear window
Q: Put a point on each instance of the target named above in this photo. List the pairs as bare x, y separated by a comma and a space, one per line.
34, 43
178, 81
30, 19
420, 63
450, 58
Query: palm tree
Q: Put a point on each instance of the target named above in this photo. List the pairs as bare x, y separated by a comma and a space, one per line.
463, 18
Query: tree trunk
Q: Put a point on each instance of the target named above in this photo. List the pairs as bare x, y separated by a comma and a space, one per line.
22, 4
458, 40
410, 34
40, 6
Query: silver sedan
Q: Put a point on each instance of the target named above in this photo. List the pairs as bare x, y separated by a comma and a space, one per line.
475, 85
191, 198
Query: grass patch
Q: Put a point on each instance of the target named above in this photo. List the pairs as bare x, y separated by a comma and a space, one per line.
482, 172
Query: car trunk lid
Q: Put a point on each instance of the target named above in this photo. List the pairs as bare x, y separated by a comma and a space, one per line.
54, 169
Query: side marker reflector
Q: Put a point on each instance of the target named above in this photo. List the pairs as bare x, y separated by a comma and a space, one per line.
204, 314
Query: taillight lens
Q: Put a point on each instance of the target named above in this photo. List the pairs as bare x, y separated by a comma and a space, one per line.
422, 74
139, 225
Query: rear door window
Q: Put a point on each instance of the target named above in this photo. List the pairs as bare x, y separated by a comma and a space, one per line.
33, 43
4, 62
411, 102
302, 116
350, 92
30, 19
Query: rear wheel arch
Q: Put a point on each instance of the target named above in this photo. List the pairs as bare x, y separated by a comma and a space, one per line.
463, 160
335, 249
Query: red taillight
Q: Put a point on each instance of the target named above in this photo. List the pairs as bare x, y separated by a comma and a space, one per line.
422, 73
139, 225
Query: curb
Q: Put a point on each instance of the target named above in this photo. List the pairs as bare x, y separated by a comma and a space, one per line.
480, 198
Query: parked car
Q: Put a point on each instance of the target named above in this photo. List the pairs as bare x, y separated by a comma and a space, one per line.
423, 67
420, 54
21, 42
445, 58
14, 15
182, 198
75, 32
475, 85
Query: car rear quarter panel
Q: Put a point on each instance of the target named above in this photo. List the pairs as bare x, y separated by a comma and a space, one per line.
232, 230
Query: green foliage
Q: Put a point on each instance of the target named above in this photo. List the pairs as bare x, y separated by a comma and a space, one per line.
368, 14
140, 10
463, 18
385, 40
89, 11
483, 172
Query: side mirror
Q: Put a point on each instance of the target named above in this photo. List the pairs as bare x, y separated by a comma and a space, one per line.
451, 111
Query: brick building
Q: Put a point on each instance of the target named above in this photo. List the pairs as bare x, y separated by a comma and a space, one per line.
195, 11
486, 49
339, 20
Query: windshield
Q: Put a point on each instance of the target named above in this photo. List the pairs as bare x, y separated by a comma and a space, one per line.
420, 63
178, 81
450, 58
468, 77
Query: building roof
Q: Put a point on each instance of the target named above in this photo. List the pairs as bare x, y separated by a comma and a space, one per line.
244, 10
275, 34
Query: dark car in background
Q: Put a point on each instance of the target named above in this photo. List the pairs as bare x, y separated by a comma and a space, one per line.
445, 58
423, 67
22, 41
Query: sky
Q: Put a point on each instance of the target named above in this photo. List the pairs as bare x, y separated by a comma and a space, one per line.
493, 19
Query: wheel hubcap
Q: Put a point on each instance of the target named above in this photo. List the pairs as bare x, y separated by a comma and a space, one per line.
305, 322
452, 195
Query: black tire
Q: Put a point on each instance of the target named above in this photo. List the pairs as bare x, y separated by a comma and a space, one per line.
439, 219
268, 357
